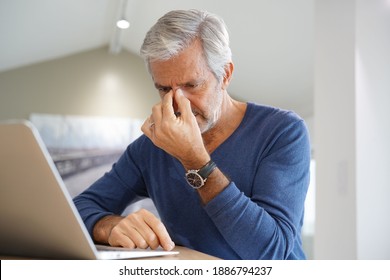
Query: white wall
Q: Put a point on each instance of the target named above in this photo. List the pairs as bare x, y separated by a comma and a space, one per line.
93, 83
335, 131
373, 128
352, 158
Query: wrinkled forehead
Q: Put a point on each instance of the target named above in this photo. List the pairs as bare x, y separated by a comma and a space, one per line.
189, 64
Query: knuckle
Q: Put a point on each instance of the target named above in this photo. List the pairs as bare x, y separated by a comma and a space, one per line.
156, 108
115, 232
142, 244
151, 238
165, 125
143, 212
134, 217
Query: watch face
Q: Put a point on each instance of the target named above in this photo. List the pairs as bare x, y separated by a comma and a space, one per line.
194, 179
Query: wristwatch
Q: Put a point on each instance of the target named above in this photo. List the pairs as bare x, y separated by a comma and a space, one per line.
197, 178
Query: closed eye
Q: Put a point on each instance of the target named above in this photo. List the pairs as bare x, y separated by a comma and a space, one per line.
190, 85
163, 90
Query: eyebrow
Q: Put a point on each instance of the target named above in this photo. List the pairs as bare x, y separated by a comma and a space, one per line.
192, 82
157, 85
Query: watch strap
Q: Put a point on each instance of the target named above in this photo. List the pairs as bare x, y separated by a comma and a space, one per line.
206, 170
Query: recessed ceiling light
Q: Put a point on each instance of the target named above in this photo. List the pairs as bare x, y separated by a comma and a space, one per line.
123, 24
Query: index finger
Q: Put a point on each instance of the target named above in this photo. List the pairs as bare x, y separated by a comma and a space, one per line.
159, 229
167, 105
183, 104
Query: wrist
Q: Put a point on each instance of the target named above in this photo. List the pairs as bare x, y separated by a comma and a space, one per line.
196, 162
197, 178
216, 183
103, 227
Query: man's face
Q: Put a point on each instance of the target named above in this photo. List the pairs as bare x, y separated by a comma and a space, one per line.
189, 72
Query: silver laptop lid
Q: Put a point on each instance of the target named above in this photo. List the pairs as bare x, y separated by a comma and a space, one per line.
37, 215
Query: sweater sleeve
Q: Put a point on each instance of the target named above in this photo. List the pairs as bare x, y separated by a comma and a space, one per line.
265, 225
111, 194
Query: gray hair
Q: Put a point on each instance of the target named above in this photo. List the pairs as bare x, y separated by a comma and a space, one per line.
176, 30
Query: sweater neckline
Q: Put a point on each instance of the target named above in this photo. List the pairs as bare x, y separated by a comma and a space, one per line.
248, 110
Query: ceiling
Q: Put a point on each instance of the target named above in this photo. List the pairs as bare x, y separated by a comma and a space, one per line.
271, 40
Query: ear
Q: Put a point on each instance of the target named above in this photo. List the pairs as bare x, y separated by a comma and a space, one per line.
228, 75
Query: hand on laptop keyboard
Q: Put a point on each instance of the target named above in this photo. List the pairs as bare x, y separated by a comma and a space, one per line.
140, 229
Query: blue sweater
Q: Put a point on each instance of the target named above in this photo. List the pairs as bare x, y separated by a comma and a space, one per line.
258, 216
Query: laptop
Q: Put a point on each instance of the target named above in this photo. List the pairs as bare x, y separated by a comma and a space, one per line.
37, 216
